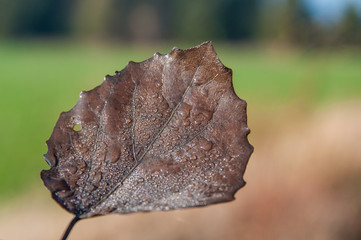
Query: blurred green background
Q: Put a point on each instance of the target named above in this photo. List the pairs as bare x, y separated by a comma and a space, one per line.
289, 57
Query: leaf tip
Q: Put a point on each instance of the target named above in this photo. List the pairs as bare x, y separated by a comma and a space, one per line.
209, 42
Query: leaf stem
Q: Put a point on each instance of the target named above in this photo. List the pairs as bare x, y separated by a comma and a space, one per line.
70, 227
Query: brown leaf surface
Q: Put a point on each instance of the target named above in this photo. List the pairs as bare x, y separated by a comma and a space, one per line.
161, 134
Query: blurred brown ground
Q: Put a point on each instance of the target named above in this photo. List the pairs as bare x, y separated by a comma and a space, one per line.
303, 182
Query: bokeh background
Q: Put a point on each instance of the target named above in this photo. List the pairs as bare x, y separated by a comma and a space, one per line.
296, 62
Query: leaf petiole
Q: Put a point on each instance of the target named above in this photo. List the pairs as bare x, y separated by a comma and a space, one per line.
70, 227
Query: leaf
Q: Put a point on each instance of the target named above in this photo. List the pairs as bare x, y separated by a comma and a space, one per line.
161, 134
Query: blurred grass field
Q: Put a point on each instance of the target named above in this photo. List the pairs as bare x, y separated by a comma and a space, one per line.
38, 80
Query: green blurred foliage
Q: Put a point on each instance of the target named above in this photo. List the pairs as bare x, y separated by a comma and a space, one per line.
141, 20
34, 18
350, 28
288, 22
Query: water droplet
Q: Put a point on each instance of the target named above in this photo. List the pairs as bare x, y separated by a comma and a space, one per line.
206, 114
174, 189
90, 187
64, 194
193, 157
204, 92
199, 81
205, 144
163, 106
71, 169
186, 123
82, 164
180, 154
184, 110
97, 177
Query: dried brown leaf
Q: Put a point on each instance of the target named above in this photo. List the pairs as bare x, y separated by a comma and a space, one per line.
161, 134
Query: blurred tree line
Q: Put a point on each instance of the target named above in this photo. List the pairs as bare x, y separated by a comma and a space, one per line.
144, 20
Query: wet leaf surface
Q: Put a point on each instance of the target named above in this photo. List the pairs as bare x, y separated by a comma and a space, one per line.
161, 134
